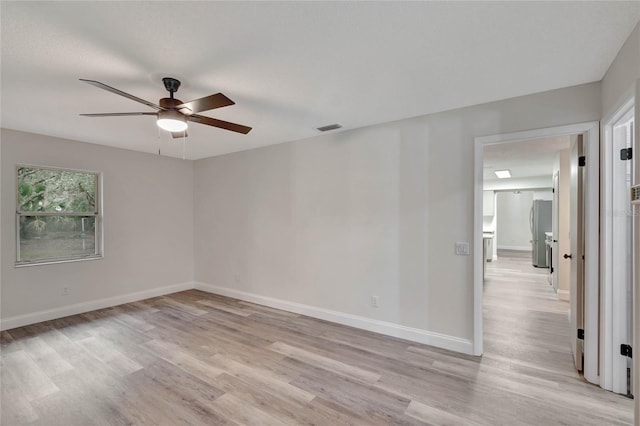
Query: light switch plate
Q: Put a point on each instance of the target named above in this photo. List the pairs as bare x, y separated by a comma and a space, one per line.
462, 249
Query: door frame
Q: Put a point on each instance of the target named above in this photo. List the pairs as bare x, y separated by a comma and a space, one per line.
636, 272
610, 360
591, 132
577, 287
555, 227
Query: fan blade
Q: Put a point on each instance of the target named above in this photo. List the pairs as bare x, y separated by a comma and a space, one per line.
121, 93
204, 104
178, 135
219, 123
118, 114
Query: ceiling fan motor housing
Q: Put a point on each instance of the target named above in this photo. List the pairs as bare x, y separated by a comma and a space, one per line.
170, 103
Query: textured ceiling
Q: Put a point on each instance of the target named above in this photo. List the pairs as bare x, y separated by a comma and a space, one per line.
289, 66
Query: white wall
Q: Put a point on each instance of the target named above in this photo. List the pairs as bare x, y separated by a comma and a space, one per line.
514, 232
148, 227
332, 220
618, 83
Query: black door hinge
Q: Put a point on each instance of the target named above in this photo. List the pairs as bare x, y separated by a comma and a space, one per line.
626, 154
581, 334
582, 161
625, 350
552, 269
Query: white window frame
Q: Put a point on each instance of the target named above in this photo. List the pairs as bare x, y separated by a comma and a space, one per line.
97, 214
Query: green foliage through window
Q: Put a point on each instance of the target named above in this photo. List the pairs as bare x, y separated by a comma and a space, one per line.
49, 190
57, 214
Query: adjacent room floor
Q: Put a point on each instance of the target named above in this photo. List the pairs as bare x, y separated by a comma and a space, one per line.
197, 358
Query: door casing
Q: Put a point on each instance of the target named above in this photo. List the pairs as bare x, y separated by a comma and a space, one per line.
613, 301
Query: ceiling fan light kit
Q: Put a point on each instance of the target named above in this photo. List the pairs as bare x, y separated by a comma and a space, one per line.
172, 114
171, 121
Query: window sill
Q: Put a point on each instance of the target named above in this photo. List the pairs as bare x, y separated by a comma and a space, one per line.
54, 262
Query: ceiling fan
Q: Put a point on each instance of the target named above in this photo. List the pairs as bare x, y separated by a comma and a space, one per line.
172, 113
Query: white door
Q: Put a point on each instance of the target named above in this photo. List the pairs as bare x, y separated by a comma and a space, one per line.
555, 220
577, 253
622, 251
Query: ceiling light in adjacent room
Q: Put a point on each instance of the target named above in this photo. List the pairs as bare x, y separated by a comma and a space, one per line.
503, 174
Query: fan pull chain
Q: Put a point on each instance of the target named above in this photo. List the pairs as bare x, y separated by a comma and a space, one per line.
159, 141
184, 144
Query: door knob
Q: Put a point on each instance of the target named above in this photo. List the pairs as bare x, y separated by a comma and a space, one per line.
567, 256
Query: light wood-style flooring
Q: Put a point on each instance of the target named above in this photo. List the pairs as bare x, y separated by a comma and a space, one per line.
197, 358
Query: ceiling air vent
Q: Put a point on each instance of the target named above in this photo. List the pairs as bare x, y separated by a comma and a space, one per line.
635, 194
330, 127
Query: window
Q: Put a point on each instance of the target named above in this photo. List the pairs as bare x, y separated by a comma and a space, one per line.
57, 215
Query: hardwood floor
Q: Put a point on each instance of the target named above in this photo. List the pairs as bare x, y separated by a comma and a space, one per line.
197, 358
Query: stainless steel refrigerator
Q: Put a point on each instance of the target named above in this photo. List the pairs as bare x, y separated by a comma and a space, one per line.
540, 221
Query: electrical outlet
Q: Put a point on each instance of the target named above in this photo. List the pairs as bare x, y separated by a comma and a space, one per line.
375, 301
65, 291
462, 248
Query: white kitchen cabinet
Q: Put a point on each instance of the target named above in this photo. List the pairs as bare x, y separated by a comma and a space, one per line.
488, 203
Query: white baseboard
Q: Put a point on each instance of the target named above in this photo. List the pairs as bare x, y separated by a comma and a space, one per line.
443, 341
563, 295
390, 329
517, 248
78, 308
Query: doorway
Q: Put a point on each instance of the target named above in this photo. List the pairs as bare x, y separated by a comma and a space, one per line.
617, 242
590, 132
